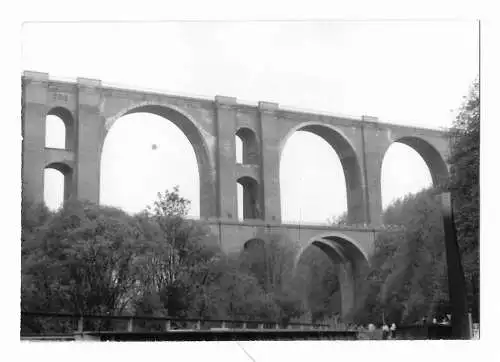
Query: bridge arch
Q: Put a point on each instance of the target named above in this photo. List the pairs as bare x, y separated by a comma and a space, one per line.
348, 159
196, 137
432, 157
350, 248
346, 252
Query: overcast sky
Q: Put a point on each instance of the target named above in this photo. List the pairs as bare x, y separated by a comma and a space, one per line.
413, 73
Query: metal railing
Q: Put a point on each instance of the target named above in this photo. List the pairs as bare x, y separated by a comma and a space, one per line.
296, 222
79, 323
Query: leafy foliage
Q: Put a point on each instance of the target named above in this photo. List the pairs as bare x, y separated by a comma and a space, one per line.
407, 280
464, 186
99, 260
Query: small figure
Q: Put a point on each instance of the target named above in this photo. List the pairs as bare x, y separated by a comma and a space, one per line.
385, 331
393, 331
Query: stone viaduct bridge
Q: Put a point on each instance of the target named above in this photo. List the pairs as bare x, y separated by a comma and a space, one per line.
89, 109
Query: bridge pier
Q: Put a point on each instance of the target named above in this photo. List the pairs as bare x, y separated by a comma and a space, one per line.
90, 136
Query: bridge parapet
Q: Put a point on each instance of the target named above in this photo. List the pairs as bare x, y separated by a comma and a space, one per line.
233, 101
297, 224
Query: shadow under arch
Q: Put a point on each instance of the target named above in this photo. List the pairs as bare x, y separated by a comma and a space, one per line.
191, 129
356, 211
251, 198
250, 149
431, 156
253, 243
346, 252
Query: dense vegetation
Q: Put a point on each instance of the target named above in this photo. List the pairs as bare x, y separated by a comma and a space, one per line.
93, 259
99, 260
408, 279
464, 185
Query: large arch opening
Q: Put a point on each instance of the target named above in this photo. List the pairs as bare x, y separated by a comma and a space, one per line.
410, 165
59, 129
150, 149
247, 151
326, 271
320, 177
57, 185
248, 198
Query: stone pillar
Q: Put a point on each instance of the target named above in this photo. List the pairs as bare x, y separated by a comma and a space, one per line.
34, 110
90, 138
356, 206
226, 157
375, 144
270, 164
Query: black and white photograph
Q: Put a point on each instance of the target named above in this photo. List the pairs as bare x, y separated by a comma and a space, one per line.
250, 180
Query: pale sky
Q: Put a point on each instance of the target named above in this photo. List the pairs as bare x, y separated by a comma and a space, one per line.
411, 73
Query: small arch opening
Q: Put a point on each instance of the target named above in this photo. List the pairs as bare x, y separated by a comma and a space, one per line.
253, 259
57, 185
246, 147
59, 129
248, 199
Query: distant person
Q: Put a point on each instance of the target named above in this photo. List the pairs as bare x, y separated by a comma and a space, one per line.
434, 321
385, 331
393, 331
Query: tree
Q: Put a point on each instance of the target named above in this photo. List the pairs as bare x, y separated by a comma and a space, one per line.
170, 204
174, 257
33, 216
271, 260
320, 284
464, 186
81, 261
408, 276
338, 219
